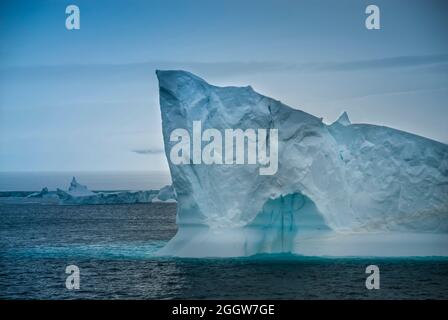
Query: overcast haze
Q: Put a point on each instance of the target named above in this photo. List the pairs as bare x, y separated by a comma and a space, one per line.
88, 99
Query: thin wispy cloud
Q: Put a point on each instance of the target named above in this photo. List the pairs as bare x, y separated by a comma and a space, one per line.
236, 67
391, 62
393, 93
149, 151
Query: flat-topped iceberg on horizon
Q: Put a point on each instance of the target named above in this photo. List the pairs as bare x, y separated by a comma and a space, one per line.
334, 182
81, 195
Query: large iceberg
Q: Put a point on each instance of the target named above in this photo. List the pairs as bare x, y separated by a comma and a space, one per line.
340, 190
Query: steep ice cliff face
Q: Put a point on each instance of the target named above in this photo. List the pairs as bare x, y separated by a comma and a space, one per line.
332, 181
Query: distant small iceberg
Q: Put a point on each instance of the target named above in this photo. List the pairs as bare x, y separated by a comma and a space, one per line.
80, 194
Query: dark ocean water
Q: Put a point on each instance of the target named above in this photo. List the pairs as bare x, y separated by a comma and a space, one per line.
114, 245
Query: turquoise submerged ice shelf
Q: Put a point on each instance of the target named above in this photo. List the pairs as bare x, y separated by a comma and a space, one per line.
340, 190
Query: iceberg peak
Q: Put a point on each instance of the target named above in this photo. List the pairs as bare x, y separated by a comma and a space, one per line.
343, 120
77, 189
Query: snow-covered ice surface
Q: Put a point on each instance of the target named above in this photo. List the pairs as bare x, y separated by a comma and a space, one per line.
340, 190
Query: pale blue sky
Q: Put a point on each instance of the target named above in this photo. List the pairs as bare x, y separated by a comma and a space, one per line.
88, 99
